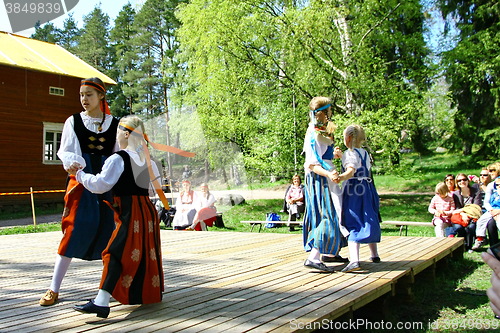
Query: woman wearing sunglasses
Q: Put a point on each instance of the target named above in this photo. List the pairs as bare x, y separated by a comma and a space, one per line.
449, 180
465, 195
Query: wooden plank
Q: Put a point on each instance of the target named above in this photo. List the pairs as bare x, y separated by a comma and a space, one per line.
214, 281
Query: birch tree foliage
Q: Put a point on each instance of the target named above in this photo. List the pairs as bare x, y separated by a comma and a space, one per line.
224, 89
248, 61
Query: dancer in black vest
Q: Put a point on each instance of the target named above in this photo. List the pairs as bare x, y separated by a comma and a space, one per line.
88, 138
132, 271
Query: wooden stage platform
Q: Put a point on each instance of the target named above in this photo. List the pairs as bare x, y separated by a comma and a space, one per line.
214, 282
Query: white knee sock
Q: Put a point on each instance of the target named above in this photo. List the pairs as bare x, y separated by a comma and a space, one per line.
60, 268
102, 298
314, 255
373, 249
353, 251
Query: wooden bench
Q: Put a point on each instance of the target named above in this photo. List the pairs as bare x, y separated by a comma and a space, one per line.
405, 224
261, 223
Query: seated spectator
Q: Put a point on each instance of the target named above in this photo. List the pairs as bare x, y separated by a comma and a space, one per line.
465, 195
464, 223
482, 181
449, 180
295, 199
441, 206
205, 210
165, 215
185, 207
293, 205
491, 204
186, 173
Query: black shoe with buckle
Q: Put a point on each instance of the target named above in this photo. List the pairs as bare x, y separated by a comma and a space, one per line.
375, 259
318, 265
90, 307
334, 259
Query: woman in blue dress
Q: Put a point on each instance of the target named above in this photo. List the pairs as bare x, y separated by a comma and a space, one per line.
360, 201
322, 234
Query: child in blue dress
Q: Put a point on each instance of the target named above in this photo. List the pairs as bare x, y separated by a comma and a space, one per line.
322, 235
360, 201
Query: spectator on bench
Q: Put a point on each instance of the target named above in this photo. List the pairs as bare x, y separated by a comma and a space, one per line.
465, 195
441, 206
185, 207
294, 200
491, 204
205, 210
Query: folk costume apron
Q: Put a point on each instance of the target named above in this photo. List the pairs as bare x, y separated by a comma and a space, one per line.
87, 222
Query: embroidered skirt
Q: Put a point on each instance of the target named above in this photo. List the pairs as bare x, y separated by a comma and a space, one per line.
133, 272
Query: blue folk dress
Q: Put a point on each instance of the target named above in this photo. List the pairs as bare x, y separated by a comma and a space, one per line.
321, 220
360, 201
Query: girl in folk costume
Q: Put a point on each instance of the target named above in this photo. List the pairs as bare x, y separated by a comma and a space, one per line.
360, 201
132, 271
322, 234
185, 207
205, 210
88, 138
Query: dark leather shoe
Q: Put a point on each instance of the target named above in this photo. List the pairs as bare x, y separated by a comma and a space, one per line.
334, 259
375, 259
90, 307
319, 266
353, 266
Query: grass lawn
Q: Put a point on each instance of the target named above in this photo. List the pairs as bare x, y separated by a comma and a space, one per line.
455, 301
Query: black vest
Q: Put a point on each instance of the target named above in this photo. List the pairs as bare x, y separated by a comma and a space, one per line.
127, 184
95, 143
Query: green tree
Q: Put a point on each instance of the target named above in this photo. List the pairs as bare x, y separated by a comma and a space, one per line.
94, 48
155, 45
68, 37
252, 65
472, 68
93, 44
120, 39
47, 33
155, 67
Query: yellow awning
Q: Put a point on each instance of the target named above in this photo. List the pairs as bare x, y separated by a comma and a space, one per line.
19, 51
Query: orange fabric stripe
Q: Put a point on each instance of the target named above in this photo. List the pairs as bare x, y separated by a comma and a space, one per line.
71, 200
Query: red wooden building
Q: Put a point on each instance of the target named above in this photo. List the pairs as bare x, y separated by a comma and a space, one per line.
39, 89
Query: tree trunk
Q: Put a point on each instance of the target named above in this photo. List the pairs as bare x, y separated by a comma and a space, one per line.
340, 23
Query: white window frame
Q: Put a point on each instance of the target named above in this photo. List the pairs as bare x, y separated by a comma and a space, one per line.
56, 91
55, 128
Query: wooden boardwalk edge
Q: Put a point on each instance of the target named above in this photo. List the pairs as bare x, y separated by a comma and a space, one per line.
214, 282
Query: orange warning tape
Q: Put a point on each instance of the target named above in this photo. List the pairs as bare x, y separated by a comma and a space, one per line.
21, 193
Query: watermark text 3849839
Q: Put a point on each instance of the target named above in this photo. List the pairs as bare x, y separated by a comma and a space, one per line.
25, 14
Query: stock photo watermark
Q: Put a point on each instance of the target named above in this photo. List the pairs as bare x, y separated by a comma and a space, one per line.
363, 324
25, 14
